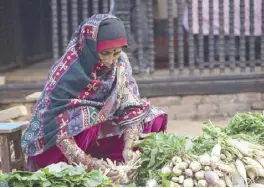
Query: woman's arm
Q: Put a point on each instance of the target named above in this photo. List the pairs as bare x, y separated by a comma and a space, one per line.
130, 135
74, 154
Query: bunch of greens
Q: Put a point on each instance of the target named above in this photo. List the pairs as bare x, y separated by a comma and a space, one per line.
157, 149
245, 126
249, 124
211, 135
68, 176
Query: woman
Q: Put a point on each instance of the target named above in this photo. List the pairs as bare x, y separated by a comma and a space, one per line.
90, 107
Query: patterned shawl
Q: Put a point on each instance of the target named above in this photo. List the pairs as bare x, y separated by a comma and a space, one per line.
81, 92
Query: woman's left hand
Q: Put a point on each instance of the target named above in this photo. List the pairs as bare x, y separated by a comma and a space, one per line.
127, 154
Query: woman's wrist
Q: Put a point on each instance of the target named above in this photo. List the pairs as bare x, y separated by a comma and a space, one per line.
131, 134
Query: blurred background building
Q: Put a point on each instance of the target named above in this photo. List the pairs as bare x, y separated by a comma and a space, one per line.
199, 57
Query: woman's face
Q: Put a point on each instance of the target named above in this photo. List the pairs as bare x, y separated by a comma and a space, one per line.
110, 56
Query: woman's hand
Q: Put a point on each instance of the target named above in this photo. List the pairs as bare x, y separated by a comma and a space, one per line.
127, 154
104, 167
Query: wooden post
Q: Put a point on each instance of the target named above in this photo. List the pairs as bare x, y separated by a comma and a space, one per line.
171, 37
6, 154
18, 150
211, 54
252, 57
180, 36
232, 51
151, 36
242, 45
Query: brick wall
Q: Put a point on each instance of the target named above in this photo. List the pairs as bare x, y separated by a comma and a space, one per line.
196, 106
209, 106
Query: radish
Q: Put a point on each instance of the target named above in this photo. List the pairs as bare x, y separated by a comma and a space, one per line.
260, 160
224, 167
207, 168
188, 172
166, 169
177, 171
222, 156
229, 157
241, 170
199, 175
202, 183
176, 160
195, 166
173, 184
240, 147
219, 173
260, 180
221, 183
211, 177
214, 162
251, 172
228, 181
182, 165
181, 179
251, 145
255, 164
258, 153
175, 179
188, 182
151, 183
216, 151
204, 159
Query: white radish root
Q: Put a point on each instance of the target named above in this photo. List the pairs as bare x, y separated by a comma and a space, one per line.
175, 179
255, 164
199, 175
214, 162
195, 166
188, 182
241, 170
175, 160
211, 178
228, 181
204, 159
216, 151
177, 171
260, 160
182, 165
221, 183
188, 172
202, 183
225, 167
181, 179
240, 147
207, 168
251, 172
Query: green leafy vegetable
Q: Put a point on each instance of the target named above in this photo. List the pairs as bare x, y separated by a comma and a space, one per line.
56, 175
157, 149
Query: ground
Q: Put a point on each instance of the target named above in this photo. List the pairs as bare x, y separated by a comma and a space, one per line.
191, 128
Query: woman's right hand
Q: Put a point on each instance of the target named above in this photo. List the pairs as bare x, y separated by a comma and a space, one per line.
103, 166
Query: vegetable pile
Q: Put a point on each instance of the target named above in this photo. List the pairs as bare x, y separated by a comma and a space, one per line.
222, 156
56, 175
229, 156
